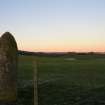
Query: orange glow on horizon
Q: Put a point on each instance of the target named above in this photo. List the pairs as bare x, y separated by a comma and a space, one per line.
63, 47
55, 49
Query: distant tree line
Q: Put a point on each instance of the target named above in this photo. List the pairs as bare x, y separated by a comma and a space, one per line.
54, 54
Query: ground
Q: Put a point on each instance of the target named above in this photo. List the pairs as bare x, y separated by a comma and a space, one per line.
80, 81
25, 80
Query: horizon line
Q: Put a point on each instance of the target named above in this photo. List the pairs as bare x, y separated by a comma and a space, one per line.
64, 51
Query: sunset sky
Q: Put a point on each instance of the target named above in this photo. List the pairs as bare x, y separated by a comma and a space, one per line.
55, 25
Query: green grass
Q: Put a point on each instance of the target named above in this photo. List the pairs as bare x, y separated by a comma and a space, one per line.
63, 82
78, 82
25, 68
25, 80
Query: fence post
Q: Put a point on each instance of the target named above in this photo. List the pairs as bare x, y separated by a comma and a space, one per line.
35, 84
8, 69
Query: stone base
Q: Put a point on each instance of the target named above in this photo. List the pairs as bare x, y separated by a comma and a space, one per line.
9, 103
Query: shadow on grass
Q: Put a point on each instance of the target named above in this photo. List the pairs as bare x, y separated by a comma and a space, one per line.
26, 96
55, 93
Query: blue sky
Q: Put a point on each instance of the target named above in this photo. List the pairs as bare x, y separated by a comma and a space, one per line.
55, 25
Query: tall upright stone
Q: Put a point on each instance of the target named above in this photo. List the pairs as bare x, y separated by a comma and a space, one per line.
8, 69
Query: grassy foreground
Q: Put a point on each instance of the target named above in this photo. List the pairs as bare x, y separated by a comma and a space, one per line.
62, 81
71, 82
25, 80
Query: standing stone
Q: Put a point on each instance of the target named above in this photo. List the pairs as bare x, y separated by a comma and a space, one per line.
8, 69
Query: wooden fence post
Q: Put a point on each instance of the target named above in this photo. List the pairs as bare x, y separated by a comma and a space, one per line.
35, 84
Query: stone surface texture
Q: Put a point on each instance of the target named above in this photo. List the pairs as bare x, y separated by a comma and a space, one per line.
8, 68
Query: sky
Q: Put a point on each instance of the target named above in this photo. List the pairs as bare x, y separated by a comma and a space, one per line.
55, 25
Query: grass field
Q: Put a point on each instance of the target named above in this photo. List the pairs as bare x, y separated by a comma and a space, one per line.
65, 82
25, 80
71, 82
